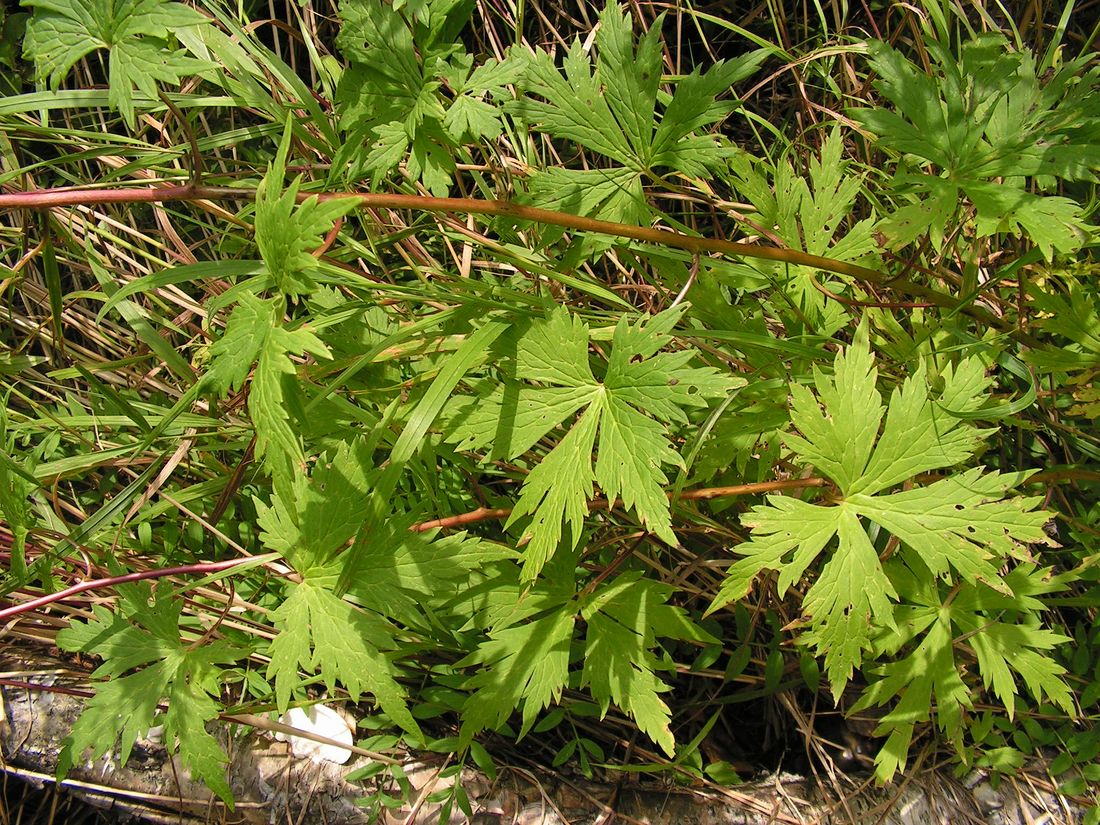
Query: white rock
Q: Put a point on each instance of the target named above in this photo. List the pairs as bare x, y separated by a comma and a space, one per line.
155, 735
323, 721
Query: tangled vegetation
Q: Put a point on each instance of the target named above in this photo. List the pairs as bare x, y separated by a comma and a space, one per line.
653, 379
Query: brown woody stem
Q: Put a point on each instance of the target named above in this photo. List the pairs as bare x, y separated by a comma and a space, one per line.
702, 494
50, 198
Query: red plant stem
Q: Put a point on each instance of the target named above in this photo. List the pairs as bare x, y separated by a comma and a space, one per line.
702, 494
94, 584
65, 691
48, 198
481, 514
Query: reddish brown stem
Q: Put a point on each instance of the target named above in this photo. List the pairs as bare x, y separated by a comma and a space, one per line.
32, 686
702, 494
480, 514
49, 198
95, 584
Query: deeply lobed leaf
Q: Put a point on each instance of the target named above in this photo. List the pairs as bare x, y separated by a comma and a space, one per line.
125, 707
135, 32
623, 419
322, 633
963, 525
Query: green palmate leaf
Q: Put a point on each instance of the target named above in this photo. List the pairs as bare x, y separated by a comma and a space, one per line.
1052, 223
962, 522
1001, 631
276, 440
286, 233
385, 67
523, 667
558, 489
403, 575
849, 414
921, 434
411, 93
125, 707
530, 413
809, 210
254, 333
574, 109
612, 108
928, 674
627, 414
619, 663
315, 515
986, 123
322, 633
246, 331
962, 525
850, 594
525, 662
617, 670
1075, 315
190, 708
391, 570
136, 34
615, 194
470, 116
500, 600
